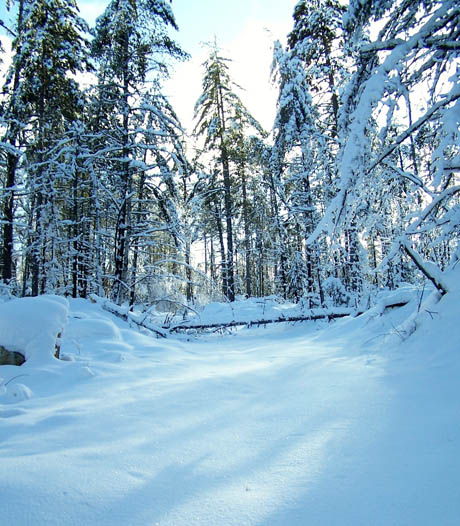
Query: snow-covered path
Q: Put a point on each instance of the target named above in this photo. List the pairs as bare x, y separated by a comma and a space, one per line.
280, 426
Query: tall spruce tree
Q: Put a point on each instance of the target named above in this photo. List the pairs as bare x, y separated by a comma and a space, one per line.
220, 114
316, 40
130, 42
48, 51
298, 157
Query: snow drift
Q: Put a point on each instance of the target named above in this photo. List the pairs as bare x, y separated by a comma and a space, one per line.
350, 422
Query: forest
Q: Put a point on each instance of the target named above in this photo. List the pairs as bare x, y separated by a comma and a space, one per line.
221, 324
354, 189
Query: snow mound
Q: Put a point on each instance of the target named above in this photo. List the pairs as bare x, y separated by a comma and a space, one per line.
400, 296
93, 328
14, 393
31, 326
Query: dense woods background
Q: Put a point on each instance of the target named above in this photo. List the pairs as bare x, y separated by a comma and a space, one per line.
356, 187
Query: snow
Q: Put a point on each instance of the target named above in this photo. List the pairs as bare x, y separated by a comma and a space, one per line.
244, 310
292, 424
31, 326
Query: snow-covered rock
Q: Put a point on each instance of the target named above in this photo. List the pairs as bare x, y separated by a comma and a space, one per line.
31, 326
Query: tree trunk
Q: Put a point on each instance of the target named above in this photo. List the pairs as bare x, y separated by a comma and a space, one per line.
230, 292
247, 241
282, 247
121, 233
8, 215
140, 197
222, 252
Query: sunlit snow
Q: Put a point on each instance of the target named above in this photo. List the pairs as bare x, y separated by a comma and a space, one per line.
315, 423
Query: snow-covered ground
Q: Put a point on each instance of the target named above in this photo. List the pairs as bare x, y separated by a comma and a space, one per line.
316, 423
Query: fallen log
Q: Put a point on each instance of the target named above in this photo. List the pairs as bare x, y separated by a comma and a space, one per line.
140, 320
285, 319
255, 323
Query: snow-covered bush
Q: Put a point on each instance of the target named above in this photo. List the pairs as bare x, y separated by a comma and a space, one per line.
335, 293
5, 292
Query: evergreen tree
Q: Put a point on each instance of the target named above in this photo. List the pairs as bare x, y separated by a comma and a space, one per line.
130, 42
316, 40
220, 116
298, 159
48, 51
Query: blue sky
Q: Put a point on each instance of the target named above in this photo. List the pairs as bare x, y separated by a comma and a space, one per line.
245, 29
199, 20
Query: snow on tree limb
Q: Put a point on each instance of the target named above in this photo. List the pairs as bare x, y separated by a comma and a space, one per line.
429, 269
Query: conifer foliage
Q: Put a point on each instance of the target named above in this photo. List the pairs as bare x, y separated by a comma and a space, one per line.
356, 187
130, 40
223, 120
43, 97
